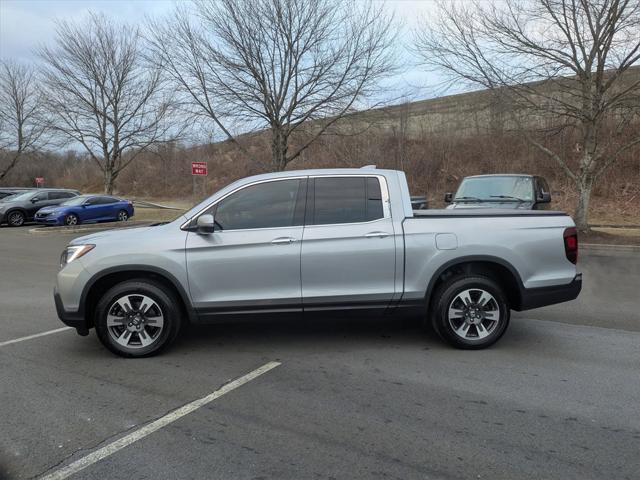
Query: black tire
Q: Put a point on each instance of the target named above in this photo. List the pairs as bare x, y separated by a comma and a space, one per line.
122, 216
165, 300
449, 295
71, 220
16, 218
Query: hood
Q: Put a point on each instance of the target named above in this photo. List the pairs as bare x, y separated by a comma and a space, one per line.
126, 234
501, 205
115, 235
50, 209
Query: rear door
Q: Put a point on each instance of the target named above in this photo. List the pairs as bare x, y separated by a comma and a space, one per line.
109, 207
251, 262
349, 244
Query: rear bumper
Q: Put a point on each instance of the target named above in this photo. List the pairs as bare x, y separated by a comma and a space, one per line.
71, 319
540, 297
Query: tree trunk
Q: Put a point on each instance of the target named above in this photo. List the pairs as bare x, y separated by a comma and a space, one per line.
11, 165
279, 147
109, 178
584, 185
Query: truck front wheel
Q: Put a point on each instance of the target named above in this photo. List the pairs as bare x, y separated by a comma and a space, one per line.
470, 311
137, 318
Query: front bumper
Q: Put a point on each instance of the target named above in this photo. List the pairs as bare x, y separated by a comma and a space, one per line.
541, 297
71, 319
49, 220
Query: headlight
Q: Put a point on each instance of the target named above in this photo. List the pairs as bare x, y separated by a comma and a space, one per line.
74, 251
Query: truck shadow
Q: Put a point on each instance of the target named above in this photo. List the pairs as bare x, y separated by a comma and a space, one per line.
336, 332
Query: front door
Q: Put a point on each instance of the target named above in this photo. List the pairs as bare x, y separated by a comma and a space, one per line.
251, 262
349, 244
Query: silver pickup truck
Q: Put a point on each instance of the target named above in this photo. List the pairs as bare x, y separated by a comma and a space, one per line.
317, 241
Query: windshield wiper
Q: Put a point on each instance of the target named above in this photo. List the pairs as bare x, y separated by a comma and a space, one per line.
475, 199
509, 197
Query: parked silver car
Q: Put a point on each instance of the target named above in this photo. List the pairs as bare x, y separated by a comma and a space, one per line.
301, 242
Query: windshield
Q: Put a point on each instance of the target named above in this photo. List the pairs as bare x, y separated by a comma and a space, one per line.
79, 200
495, 189
20, 197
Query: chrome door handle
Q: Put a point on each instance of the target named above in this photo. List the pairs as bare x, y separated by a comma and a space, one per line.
377, 235
283, 240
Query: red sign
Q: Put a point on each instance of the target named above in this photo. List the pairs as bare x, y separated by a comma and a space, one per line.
39, 180
199, 168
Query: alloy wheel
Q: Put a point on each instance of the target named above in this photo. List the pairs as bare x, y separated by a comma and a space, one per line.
122, 216
135, 321
474, 314
16, 219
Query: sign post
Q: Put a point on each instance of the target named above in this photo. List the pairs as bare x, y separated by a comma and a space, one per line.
39, 182
198, 169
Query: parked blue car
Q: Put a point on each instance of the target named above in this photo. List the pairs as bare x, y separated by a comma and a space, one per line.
85, 209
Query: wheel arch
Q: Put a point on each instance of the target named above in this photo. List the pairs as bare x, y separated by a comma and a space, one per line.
496, 268
18, 209
102, 281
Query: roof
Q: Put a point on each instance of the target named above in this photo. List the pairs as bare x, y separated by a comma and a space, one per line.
368, 170
502, 175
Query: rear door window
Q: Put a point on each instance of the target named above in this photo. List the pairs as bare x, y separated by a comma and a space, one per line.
346, 200
60, 195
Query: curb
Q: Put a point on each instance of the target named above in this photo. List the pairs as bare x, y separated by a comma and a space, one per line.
144, 204
44, 230
623, 227
604, 246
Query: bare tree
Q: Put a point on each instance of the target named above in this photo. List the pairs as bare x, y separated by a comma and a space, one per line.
102, 95
557, 66
22, 126
285, 65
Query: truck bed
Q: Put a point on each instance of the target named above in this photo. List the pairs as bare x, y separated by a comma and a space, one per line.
484, 212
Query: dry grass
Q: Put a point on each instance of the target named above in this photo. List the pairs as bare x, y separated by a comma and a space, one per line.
156, 214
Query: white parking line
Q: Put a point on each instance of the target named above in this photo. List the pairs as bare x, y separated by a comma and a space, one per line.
119, 444
29, 337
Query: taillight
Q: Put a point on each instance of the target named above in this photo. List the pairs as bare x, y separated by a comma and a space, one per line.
571, 244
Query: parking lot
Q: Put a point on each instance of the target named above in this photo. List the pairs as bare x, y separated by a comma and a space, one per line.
557, 397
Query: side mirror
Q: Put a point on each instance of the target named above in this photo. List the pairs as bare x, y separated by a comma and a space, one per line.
545, 197
205, 224
448, 197
35, 200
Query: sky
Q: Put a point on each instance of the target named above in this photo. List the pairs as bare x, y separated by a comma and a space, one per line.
26, 24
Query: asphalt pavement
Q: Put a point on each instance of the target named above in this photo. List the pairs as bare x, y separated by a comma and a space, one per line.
557, 397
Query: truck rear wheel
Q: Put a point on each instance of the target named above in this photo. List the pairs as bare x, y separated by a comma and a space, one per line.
137, 318
470, 312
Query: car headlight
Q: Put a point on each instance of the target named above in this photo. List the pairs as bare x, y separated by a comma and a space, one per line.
74, 251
